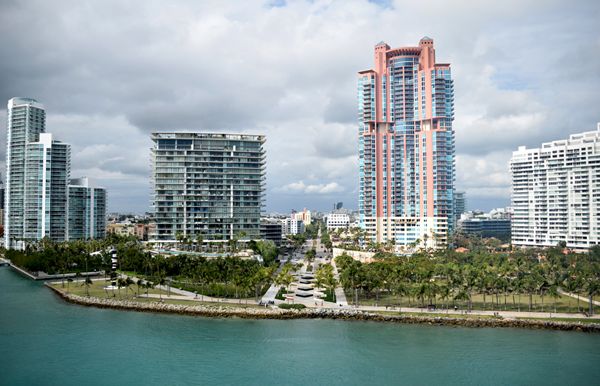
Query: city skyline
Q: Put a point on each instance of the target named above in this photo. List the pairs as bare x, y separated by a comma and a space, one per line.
271, 70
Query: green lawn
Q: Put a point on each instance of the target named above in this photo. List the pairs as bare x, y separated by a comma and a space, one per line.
96, 289
563, 303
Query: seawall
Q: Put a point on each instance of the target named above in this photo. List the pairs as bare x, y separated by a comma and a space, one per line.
219, 311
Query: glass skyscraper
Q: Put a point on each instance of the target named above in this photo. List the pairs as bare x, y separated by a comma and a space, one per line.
37, 177
26, 120
87, 210
208, 184
406, 147
47, 167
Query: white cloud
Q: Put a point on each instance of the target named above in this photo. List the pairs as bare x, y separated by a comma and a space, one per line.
525, 72
301, 187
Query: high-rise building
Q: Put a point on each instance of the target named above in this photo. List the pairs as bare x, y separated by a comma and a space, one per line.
37, 176
406, 146
556, 193
26, 120
460, 204
86, 210
47, 168
208, 184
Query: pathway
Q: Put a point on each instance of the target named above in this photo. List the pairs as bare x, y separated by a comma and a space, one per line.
582, 298
504, 314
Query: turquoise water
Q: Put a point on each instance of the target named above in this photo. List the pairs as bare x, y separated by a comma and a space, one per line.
44, 341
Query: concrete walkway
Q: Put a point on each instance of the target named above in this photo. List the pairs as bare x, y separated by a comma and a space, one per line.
581, 298
503, 314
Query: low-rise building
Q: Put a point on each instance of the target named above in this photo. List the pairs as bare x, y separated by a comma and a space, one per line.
336, 220
271, 230
496, 223
291, 226
303, 216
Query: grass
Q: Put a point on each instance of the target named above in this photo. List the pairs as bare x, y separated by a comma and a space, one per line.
329, 295
281, 293
96, 289
564, 304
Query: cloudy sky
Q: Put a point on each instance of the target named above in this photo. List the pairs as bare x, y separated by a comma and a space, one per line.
110, 72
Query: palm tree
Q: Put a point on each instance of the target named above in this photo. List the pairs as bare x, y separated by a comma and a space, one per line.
87, 283
160, 281
140, 284
128, 283
592, 289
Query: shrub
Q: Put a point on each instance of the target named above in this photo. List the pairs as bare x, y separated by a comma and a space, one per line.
287, 306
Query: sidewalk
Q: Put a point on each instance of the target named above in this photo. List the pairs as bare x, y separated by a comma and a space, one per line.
575, 296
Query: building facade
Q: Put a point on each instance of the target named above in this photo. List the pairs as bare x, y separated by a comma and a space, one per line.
406, 146
487, 227
337, 220
37, 179
303, 216
460, 204
208, 184
86, 210
26, 120
47, 169
271, 230
292, 226
556, 193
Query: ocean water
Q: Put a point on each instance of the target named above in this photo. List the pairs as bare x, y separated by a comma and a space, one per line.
45, 341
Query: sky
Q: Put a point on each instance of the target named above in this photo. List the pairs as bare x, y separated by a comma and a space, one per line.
111, 72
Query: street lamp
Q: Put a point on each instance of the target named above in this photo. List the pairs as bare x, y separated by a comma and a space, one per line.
113, 261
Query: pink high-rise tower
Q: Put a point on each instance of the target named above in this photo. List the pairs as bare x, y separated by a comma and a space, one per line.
406, 147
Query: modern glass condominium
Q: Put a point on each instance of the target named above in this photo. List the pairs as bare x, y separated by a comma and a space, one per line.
87, 211
208, 184
406, 147
26, 120
47, 167
556, 193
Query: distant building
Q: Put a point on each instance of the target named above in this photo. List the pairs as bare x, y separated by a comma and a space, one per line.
496, 223
87, 211
121, 229
337, 220
303, 216
291, 226
271, 230
556, 193
338, 205
487, 227
209, 184
460, 204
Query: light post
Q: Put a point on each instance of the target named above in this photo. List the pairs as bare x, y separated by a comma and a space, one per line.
113, 261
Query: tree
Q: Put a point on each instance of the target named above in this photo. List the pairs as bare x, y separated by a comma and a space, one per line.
87, 283
160, 281
199, 241
140, 284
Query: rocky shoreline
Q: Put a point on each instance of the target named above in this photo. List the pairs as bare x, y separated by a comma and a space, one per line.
219, 311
